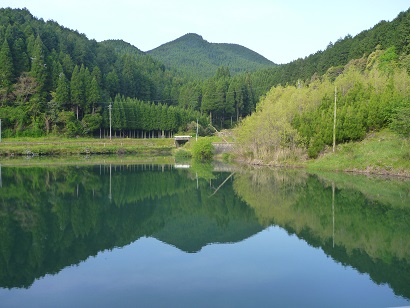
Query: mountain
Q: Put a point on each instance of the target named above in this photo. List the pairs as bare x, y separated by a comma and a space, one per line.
60, 72
123, 47
198, 58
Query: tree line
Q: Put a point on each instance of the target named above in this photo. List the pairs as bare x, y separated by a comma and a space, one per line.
336, 55
137, 119
54, 80
372, 93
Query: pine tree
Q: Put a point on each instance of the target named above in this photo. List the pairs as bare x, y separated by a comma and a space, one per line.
77, 89
112, 83
93, 94
63, 90
39, 67
6, 68
56, 71
21, 60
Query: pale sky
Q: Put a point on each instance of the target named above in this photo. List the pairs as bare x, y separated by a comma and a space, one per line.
280, 30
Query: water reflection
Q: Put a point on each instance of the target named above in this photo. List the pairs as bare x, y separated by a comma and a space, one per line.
54, 217
358, 221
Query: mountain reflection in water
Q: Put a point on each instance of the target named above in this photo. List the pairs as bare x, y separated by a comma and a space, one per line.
55, 217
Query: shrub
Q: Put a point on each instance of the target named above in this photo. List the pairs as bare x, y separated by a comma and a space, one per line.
315, 147
400, 121
203, 149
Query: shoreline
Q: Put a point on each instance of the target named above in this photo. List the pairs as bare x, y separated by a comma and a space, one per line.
80, 150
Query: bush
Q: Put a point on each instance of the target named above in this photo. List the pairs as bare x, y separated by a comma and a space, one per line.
203, 149
316, 146
400, 121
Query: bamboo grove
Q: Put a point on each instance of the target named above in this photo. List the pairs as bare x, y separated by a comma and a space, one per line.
372, 93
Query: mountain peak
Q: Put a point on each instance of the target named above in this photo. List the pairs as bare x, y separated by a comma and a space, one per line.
190, 36
197, 57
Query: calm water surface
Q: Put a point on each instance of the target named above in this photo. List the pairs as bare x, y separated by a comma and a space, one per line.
159, 236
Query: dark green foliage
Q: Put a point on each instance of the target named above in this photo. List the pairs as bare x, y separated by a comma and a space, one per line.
43, 62
134, 118
35, 55
77, 88
227, 99
63, 90
384, 35
70, 212
39, 70
197, 58
6, 69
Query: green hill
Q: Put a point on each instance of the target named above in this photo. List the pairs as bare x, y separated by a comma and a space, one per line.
67, 79
383, 35
198, 58
123, 47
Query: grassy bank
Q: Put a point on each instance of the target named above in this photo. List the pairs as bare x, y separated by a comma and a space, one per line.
79, 160
83, 146
379, 153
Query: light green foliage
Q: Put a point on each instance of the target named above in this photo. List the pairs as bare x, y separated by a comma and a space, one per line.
90, 123
400, 120
203, 149
291, 118
388, 61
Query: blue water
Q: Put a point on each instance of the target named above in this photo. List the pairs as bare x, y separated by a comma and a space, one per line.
266, 267
269, 269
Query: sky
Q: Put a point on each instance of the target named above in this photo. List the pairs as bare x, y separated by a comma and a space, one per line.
279, 30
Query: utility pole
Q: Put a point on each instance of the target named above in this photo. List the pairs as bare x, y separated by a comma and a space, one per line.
109, 109
0, 130
334, 122
196, 137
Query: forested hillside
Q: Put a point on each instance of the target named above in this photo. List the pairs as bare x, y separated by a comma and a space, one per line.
367, 94
199, 59
54, 80
336, 55
368, 77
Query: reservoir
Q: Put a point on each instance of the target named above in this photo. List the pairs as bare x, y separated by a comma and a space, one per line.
135, 235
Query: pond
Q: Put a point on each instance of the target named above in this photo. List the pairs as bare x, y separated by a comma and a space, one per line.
194, 236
